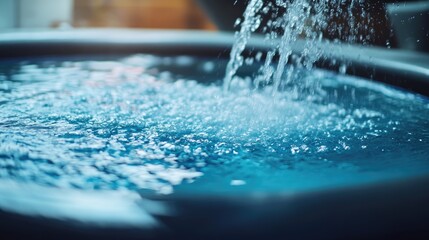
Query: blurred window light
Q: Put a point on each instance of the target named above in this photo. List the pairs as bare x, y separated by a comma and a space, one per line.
177, 14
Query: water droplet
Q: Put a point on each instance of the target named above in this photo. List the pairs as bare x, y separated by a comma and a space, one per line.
238, 183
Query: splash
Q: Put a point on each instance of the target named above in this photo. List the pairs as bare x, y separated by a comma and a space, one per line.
251, 22
288, 21
143, 123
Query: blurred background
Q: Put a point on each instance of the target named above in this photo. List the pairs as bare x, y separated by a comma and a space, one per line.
396, 23
171, 14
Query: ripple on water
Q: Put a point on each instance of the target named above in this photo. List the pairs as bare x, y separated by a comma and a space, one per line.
145, 122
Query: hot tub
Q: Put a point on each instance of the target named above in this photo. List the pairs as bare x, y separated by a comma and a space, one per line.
388, 208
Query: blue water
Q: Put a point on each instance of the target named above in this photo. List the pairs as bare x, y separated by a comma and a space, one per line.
164, 124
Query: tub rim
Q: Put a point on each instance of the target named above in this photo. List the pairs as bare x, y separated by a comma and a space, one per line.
402, 68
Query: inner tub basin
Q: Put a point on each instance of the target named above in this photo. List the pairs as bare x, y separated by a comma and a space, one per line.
113, 133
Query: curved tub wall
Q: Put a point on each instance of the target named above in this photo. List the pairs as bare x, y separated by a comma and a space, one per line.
406, 69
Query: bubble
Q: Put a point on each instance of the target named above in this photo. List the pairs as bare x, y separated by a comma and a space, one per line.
80, 124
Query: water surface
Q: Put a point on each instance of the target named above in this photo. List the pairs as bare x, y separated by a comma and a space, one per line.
164, 124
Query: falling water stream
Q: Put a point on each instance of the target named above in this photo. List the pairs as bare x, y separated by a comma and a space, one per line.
288, 21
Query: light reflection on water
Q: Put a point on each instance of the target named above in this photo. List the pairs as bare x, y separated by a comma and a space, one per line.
144, 123
105, 208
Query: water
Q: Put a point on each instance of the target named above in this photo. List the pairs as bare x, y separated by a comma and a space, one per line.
250, 24
286, 21
165, 124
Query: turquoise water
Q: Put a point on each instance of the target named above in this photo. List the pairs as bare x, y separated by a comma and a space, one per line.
164, 124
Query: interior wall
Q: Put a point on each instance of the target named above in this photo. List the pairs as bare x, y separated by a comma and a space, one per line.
7, 14
174, 14
178, 14
44, 13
